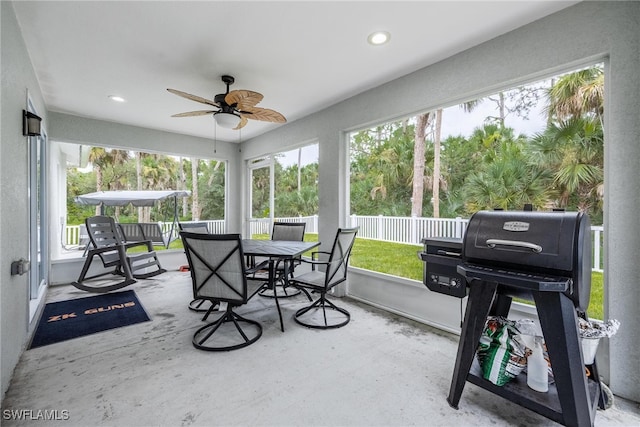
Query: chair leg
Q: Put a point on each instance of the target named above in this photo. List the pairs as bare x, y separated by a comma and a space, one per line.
288, 291
324, 304
208, 332
285, 290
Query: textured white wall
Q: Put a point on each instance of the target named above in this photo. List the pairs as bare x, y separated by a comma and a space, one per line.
576, 36
18, 78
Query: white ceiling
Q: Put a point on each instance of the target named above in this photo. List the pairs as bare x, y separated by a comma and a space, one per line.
303, 56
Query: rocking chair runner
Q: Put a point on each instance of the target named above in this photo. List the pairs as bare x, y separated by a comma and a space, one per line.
107, 244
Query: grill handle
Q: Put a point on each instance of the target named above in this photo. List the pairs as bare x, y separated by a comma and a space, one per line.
448, 253
516, 243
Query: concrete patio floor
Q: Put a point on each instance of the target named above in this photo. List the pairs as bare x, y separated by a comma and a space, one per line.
379, 370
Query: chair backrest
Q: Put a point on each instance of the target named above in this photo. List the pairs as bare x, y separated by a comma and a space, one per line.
217, 267
292, 231
152, 231
132, 232
339, 258
102, 231
194, 227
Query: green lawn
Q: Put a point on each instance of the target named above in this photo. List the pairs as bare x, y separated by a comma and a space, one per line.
400, 259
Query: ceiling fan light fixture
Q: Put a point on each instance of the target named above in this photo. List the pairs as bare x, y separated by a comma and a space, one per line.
227, 120
378, 37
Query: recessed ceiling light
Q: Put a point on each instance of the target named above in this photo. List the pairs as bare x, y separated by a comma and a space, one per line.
378, 38
116, 98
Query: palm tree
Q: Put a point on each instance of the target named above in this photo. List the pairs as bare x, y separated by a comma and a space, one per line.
139, 183
98, 157
505, 178
577, 94
195, 203
183, 186
119, 159
422, 121
436, 165
507, 183
574, 149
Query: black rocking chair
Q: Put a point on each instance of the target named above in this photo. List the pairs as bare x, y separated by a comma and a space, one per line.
107, 244
217, 267
322, 282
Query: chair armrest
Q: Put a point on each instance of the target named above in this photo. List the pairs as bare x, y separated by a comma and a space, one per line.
315, 254
315, 262
103, 249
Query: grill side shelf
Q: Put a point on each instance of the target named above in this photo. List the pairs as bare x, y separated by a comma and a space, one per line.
513, 278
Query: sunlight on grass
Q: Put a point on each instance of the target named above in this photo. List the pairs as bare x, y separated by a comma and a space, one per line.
401, 260
397, 259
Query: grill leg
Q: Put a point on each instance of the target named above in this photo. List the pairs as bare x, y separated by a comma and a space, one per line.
481, 295
501, 305
559, 322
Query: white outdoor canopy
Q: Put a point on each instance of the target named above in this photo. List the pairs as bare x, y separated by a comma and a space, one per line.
123, 198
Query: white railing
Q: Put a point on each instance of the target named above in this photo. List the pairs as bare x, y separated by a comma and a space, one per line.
75, 235
409, 230
412, 230
215, 226
263, 225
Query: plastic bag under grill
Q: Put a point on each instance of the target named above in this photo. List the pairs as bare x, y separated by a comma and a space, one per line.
500, 353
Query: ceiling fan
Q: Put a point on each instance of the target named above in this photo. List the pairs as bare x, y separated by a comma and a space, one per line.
232, 108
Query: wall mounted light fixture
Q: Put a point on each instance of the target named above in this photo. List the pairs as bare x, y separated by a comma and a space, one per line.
31, 124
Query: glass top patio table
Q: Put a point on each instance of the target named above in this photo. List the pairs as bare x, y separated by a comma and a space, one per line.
274, 250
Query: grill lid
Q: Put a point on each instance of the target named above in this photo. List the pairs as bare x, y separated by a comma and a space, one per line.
529, 240
542, 243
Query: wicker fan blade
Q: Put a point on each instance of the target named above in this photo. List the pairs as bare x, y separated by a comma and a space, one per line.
193, 97
195, 113
243, 123
243, 98
263, 114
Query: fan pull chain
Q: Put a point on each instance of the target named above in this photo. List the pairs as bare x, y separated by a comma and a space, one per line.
215, 137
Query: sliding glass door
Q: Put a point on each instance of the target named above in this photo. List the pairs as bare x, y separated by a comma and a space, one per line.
38, 229
260, 201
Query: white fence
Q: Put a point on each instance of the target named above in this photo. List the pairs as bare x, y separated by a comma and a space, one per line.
412, 230
263, 225
409, 230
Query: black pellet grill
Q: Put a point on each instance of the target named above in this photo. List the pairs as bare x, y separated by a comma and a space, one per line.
543, 256
441, 258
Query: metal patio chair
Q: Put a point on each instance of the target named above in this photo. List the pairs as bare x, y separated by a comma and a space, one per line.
197, 305
217, 267
322, 282
292, 231
108, 245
